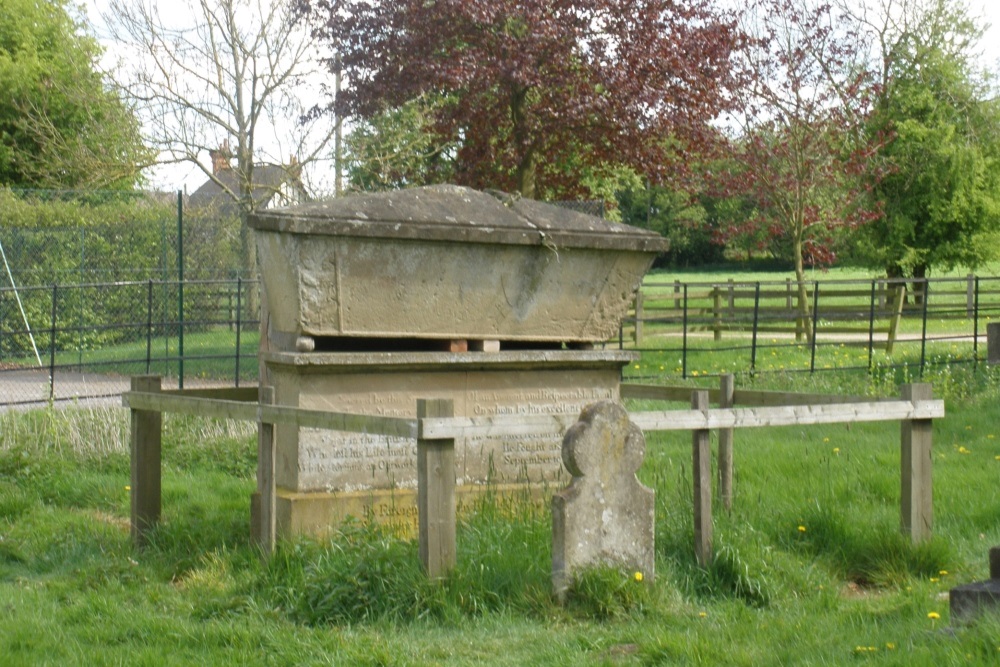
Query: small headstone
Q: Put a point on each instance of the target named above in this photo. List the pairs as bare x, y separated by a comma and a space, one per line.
968, 601
605, 516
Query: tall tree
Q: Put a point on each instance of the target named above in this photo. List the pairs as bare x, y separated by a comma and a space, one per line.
939, 109
61, 124
801, 152
539, 91
214, 73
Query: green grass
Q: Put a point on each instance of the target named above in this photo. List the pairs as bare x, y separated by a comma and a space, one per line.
207, 354
809, 570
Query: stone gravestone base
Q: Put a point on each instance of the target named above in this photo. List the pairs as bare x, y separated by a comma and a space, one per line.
322, 477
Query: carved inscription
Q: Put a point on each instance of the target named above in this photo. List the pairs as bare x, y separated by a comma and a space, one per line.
334, 461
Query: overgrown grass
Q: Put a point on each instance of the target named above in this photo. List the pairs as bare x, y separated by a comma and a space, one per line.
809, 567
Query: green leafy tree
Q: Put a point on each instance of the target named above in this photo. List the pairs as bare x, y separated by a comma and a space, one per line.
61, 124
394, 149
939, 112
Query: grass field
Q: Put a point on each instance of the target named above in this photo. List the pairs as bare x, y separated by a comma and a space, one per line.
810, 568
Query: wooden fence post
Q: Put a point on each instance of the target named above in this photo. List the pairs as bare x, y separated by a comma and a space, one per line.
145, 444
702, 474
436, 493
915, 467
638, 318
677, 294
726, 390
266, 532
993, 343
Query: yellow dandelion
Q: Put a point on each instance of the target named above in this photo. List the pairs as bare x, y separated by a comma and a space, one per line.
637, 576
990, 436
890, 646
933, 615
943, 573
836, 450
702, 614
968, 428
636, 367
802, 529
694, 373
826, 439
934, 580
129, 488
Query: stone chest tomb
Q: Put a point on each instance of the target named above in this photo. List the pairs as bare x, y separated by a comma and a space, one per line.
496, 303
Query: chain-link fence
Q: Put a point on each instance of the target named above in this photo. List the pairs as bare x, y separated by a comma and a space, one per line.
78, 237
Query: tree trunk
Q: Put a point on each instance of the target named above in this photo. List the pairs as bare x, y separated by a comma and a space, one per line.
526, 167
919, 285
803, 329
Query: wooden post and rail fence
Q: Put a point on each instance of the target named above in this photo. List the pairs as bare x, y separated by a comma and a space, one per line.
436, 430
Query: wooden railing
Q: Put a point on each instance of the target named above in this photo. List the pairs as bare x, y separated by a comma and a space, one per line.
436, 430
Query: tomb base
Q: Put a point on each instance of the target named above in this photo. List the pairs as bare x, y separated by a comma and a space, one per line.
324, 477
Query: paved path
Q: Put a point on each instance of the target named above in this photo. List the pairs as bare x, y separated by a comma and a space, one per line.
26, 389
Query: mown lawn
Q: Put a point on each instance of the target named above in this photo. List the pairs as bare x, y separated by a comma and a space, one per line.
810, 567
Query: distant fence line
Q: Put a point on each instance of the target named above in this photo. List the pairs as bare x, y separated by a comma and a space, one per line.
741, 324
66, 342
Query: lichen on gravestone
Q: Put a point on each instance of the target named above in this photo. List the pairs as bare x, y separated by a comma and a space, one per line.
605, 517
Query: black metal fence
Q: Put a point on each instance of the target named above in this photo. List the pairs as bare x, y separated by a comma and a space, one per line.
695, 329
69, 342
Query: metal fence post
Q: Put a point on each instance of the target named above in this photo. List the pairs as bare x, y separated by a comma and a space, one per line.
149, 326
239, 317
923, 328
52, 346
180, 290
684, 336
756, 320
871, 326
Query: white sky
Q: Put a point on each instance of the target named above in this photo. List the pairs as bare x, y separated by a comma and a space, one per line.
177, 177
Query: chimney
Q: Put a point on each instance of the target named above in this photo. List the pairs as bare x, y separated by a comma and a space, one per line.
221, 158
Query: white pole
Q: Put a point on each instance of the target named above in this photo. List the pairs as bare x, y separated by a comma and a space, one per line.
20, 306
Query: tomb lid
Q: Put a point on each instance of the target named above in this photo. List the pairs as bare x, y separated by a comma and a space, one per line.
455, 213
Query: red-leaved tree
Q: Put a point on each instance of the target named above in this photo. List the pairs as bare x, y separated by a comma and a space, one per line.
540, 92
802, 152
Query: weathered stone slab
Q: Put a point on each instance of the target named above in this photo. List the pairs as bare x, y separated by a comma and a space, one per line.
972, 600
450, 263
376, 475
605, 516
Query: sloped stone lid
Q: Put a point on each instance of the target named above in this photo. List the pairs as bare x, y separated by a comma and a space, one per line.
456, 214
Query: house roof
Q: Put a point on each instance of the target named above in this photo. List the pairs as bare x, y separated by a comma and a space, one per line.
268, 180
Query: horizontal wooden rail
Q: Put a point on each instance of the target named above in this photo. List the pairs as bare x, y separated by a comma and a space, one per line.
687, 420
746, 397
270, 414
